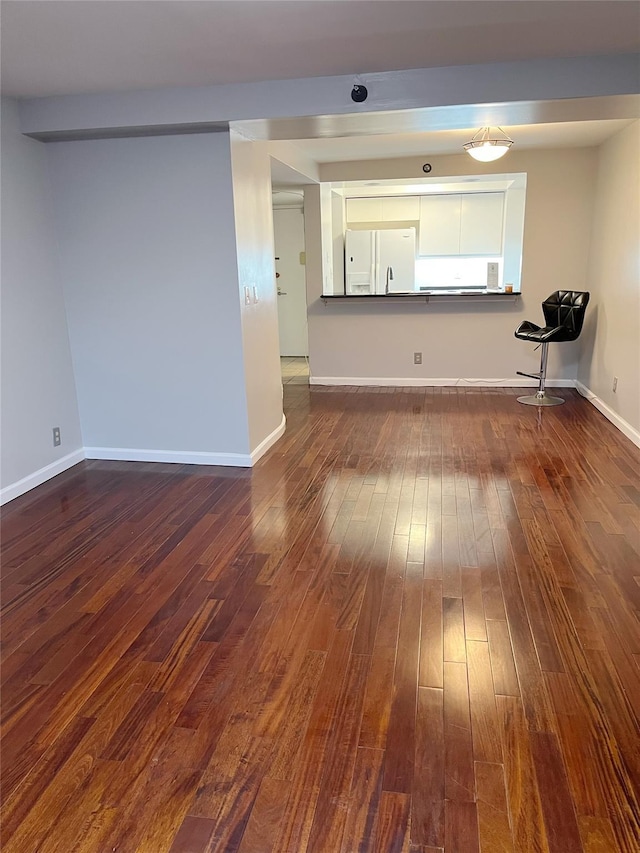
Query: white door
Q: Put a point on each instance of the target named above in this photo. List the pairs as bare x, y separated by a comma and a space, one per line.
288, 227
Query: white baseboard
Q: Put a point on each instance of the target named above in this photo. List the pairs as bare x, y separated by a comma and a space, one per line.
127, 454
188, 457
269, 441
180, 457
40, 476
624, 426
420, 382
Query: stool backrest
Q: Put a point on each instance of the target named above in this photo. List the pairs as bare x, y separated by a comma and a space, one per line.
566, 308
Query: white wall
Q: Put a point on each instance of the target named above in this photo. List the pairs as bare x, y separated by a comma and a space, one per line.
295, 160
148, 259
465, 340
338, 226
611, 335
327, 238
256, 269
38, 390
314, 267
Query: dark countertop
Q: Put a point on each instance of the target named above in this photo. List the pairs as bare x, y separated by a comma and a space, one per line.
421, 295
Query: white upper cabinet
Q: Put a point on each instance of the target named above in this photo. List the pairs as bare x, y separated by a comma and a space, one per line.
364, 210
461, 224
401, 208
439, 225
389, 209
481, 218
450, 223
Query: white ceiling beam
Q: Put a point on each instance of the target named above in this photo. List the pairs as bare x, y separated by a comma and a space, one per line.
495, 84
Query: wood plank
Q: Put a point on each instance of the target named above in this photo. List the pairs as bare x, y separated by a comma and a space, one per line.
398, 764
288, 731
474, 617
535, 699
311, 760
330, 814
392, 828
378, 700
461, 833
366, 790
431, 637
523, 796
459, 774
454, 648
558, 811
264, 822
578, 746
484, 719
494, 830
194, 835
503, 668
427, 801
597, 834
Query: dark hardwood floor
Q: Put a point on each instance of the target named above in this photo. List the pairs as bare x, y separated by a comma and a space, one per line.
412, 627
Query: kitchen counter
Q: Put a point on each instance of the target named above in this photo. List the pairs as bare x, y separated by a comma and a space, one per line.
424, 296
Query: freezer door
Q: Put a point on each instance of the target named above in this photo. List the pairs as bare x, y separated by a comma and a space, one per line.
359, 265
396, 260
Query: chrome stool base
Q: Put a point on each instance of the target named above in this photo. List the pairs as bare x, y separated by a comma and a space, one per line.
541, 399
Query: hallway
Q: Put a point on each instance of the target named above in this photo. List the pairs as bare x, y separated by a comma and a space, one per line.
295, 370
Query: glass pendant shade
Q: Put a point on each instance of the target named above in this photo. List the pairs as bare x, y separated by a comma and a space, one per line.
487, 146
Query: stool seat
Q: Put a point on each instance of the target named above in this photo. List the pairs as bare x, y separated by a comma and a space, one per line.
527, 331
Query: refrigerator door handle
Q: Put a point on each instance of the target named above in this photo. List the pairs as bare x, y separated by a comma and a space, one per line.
389, 278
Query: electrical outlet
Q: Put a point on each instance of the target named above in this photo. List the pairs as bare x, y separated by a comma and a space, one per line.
615, 383
417, 358
57, 441
247, 296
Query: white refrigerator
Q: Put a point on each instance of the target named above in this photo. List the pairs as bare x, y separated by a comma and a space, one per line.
381, 261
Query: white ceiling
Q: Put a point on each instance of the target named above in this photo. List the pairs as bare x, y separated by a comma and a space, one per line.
555, 135
52, 47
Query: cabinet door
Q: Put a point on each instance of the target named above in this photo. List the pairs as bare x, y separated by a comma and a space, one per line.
481, 224
439, 225
401, 209
364, 210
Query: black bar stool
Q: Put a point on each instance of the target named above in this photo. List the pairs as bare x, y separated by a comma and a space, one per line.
564, 314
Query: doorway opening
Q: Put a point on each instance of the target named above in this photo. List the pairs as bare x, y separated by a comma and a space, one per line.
294, 370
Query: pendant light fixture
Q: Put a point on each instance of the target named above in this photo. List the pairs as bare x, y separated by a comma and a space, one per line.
488, 144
